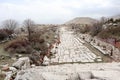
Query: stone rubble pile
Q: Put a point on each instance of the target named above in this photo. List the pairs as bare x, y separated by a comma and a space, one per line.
21, 64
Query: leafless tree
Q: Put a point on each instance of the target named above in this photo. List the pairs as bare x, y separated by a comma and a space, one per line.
29, 24
96, 28
10, 24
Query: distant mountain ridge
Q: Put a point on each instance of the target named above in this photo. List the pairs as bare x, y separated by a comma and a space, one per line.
82, 20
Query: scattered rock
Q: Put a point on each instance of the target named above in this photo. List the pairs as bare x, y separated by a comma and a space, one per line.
35, 58
18, 56
33, 65
5, 68
14, 58
22, 63
12, 69
46, 60
85, 75
2, 57
8, 75
74, 76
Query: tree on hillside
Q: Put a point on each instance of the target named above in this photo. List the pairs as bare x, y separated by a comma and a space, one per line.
29, 24
96, 28
10, 24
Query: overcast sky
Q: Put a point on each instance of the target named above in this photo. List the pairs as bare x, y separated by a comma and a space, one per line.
56, 11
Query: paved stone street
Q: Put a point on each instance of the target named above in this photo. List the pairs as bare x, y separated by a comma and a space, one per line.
71, 49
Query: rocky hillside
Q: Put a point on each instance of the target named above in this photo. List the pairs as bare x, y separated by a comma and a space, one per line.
116, 16
82, 20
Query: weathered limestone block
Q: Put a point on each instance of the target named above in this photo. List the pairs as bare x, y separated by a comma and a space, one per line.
46, 60
8, 75
22, 63
29, 75
85, 75
74, 76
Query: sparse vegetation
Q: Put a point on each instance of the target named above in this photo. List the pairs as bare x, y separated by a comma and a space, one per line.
95, 29
85, 29
113, 32
29, 24
10, 25
34, 38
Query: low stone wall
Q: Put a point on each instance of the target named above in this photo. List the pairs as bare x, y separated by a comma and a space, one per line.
104, 47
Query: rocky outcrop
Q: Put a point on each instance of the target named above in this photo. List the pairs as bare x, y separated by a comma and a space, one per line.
22, 63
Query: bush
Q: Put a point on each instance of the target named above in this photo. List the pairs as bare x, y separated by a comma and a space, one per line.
95, 29
4, 33
86, 29
18, 46
112, 32
104, 35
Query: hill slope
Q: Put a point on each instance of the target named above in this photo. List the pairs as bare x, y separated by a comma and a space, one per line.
82, 20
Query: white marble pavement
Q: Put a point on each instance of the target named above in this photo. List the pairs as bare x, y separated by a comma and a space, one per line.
71, 49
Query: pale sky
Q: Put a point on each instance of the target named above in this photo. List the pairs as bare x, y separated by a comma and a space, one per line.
56, 11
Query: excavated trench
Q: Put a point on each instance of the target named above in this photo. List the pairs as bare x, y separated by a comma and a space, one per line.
72, 49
